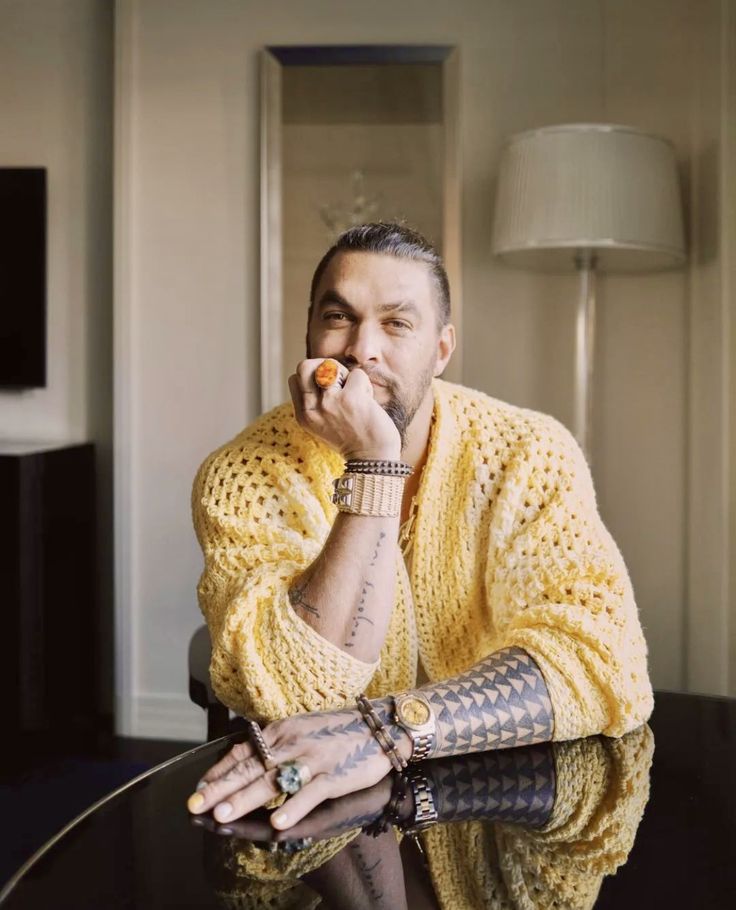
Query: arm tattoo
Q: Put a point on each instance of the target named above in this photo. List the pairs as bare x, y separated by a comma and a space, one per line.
366, 868
297, 600
509, 785
499, 703
360, 613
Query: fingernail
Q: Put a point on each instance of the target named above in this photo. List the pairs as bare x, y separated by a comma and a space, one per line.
224, 810
201, 785
195, 801
279, 819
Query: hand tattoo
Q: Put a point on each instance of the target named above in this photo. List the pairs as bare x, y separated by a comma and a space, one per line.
360, 754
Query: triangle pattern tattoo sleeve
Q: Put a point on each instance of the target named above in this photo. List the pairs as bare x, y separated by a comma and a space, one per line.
499, 703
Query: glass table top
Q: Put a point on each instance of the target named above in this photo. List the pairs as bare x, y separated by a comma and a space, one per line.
648, 818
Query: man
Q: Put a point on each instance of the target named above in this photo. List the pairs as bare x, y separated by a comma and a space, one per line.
506, 594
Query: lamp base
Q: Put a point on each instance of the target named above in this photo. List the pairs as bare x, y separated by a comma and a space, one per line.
585, 262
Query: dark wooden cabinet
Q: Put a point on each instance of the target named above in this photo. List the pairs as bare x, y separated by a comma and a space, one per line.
48, 573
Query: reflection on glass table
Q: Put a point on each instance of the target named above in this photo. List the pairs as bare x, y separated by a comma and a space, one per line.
586, 823
538, 826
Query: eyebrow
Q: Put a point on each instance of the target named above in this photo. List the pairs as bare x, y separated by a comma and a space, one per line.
332, 298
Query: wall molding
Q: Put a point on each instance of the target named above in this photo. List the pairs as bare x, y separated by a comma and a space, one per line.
707, 597
164, 717
728, 280
123, 375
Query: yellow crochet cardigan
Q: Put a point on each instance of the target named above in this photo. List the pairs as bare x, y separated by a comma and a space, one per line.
508, 549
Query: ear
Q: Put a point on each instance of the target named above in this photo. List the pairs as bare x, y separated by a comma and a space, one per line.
445, 347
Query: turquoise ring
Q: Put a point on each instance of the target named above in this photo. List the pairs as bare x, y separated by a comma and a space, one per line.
292, 776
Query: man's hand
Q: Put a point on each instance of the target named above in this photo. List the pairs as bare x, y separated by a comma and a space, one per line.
348, 418
338, 748
331, 818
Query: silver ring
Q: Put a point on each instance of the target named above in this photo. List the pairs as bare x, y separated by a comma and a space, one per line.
264, 753
292, 776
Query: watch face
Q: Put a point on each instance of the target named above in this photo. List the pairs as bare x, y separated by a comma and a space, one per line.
414, 712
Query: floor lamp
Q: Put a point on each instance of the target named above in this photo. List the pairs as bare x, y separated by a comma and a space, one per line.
590, 197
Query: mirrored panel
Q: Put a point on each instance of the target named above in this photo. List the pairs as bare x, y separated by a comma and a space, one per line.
349, 135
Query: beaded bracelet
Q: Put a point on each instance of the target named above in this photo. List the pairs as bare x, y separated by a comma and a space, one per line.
385, 740
391, 814
378, 466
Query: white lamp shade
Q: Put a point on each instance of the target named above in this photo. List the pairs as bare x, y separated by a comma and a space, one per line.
601, 187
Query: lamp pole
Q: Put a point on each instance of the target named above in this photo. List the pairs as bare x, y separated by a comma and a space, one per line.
585, 263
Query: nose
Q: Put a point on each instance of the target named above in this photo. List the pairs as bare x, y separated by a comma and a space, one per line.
363, 345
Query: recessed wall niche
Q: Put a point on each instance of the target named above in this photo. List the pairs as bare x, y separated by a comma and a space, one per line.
350, 134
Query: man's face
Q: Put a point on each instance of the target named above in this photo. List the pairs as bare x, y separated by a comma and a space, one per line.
379, 313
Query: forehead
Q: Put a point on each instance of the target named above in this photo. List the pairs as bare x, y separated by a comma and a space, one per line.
366, 278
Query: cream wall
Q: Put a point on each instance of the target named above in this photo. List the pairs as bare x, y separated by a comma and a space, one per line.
56, 112
186, 308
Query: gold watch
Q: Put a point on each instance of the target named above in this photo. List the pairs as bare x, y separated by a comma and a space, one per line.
413, 713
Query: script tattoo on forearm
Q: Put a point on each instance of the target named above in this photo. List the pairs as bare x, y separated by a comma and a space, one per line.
510, 785
366, 869
499, 703
360, 615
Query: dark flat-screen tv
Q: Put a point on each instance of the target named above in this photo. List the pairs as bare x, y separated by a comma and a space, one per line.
22, 277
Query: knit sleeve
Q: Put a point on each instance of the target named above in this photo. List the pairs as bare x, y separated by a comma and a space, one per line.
559, 589
259, 525
602, 791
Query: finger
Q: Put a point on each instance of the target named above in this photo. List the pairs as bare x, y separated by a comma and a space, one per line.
245, 800
296, 397
294, 809
241, 775
304, 394
239, 752
358, 380
305, 375
244, 829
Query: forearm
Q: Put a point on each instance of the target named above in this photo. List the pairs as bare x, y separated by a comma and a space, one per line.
347, 594
511, 786
500, 703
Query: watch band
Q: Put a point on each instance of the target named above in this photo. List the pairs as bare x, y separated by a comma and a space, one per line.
423, 745
425, 810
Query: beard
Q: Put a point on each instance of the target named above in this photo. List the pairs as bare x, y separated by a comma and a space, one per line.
402, 406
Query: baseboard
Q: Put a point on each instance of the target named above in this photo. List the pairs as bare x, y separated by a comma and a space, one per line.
162, 717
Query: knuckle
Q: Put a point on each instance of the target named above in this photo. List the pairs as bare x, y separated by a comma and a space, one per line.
304, 369
270, 781
240, 751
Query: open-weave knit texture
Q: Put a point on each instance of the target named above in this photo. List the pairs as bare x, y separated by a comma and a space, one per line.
508, 549
602, 790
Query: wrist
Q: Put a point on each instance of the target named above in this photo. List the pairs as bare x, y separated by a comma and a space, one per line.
403, 741
381, 453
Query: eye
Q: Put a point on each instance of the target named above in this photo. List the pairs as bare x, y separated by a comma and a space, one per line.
399, 324
337, 316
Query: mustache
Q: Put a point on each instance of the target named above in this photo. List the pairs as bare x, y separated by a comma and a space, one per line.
373, 374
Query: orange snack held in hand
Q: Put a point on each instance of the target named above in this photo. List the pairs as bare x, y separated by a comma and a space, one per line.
328, 373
